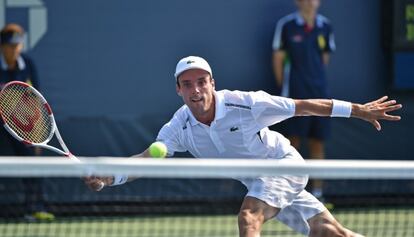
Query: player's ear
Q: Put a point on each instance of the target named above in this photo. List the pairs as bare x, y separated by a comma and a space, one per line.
20, 47
177, 89
213, 83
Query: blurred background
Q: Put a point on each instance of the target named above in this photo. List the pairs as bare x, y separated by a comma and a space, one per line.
106, 68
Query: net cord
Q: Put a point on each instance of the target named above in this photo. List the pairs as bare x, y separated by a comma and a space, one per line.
203, 168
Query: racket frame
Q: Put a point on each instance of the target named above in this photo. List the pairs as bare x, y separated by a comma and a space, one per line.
54, 130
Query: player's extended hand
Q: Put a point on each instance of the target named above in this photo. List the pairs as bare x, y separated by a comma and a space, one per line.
377, 110
98, 183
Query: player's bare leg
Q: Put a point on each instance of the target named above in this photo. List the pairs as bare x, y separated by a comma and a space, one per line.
253, 214
325, 225
295, 141
317, 151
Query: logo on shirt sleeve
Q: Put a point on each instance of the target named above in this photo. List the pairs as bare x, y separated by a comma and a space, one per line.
234, 128
321, 42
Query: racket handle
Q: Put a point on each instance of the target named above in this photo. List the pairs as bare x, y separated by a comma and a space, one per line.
89, 171
72, 157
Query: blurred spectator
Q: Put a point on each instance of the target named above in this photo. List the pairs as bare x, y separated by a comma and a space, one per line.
302, 44
15, 66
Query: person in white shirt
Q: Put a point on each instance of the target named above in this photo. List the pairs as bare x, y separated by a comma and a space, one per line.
233, 124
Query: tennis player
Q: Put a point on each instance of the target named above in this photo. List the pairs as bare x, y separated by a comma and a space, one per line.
233, 124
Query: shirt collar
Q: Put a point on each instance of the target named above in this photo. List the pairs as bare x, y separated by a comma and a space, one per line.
191, 118
20, 63
300, 21
220, 109
220, 106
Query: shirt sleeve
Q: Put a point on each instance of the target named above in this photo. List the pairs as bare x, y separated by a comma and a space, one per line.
279, 42
330, 38
170, 135
269, 110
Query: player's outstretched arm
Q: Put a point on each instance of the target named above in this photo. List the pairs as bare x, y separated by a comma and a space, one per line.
95, 183
371, 112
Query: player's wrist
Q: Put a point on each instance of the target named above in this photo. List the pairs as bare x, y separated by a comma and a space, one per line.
341, 109
357, 111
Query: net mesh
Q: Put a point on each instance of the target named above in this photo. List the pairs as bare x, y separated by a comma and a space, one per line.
25, 113
183, 206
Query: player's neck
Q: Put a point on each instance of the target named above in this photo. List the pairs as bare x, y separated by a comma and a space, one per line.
11, 63
309, 17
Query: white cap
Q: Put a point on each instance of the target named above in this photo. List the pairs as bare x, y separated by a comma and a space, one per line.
192, 62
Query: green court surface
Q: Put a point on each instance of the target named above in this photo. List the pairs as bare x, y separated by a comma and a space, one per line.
370, 222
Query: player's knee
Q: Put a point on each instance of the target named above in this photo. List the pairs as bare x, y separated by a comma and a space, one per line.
248, 220
327, 230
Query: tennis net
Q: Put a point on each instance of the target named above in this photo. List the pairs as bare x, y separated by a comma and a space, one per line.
189, 197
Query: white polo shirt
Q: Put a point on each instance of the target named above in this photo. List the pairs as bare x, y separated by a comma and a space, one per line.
239, 129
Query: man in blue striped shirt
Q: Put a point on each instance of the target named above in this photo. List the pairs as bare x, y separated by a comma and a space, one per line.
302, 44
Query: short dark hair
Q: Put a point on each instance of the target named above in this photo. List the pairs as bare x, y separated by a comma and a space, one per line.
9, 31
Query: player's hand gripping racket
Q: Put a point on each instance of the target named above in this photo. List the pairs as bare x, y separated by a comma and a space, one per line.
27, 116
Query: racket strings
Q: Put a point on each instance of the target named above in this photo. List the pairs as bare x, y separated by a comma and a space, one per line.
24, 112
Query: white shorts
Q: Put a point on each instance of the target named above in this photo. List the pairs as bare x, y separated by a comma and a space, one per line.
287, 193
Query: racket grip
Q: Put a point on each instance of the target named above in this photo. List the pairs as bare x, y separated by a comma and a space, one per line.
89, 171
75, 159
72, 157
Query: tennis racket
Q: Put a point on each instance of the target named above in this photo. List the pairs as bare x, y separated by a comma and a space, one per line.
27, 116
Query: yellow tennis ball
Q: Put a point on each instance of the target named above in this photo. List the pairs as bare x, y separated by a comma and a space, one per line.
158, 150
